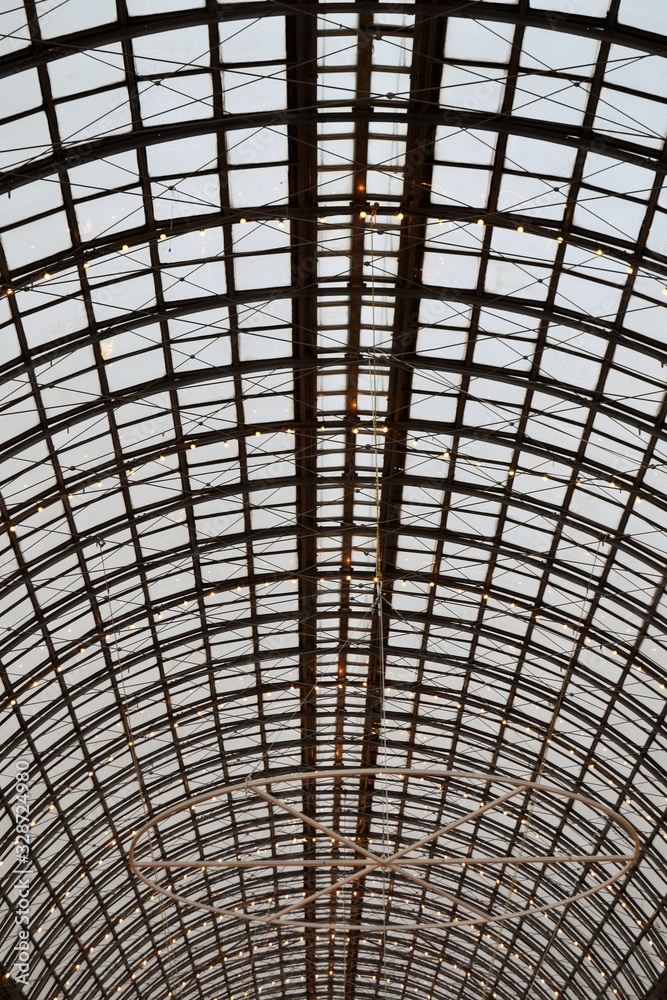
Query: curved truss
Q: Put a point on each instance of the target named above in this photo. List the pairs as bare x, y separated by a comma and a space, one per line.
463, 203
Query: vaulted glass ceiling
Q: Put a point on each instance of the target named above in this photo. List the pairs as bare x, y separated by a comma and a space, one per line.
332, 346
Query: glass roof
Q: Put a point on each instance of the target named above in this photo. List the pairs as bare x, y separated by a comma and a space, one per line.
332, 347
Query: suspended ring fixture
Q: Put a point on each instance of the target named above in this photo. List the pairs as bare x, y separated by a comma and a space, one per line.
344, 874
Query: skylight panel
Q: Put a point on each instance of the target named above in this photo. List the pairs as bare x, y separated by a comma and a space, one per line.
40, 239
99, 217
539, 157
462, 187
28, 143
644, 316
275, 271
16, 34
522, 247
384, 185
192, 281
174, 100
134, 362
478, 88
94, 116
507, 277
559, 52
469, 38
241, 38
332, 185
194, 354
29, 200
336, 152
57, 18
594, 8
449, 270
254, 88
183, 197
459, 145
644, 14
265, 398
137, 8
171, 52
102, 67
635, 117
24, 94
546, 99
68, 383
631, 68
336, 87
497, 352
258, 186
135, 293
337, 50
588, 295
394, 85
255, 145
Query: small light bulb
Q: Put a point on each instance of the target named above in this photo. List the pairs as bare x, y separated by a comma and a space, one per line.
480, 222
362, 215
242, 221
281, 224
163, 236
202, 232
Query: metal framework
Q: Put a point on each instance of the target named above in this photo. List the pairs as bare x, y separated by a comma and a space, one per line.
235, 240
